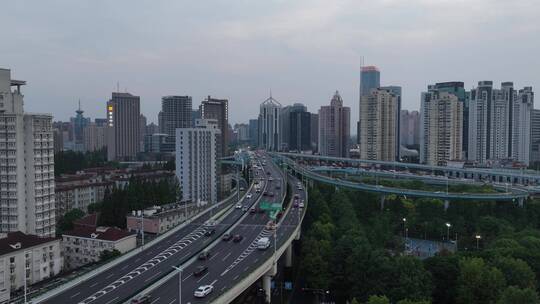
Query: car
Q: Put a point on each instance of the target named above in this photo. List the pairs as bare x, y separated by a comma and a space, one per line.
237, 238
252, 210
238, 206
265, 193
249, 196
256, 182
299, 188
209, 231
296, 196
200, 270
142, 300
301, 205
271, 194
278, 187
226, 237
245, 208
270, 225
242, 189
295, 204
268, 172
203, 291
205, 255
270, 179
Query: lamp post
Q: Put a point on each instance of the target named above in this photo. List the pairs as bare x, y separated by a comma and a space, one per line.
448, 225
179, 283
142, 228
404, 227
25, 283
478, 237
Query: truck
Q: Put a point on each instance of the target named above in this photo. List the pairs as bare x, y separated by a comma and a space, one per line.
263, 243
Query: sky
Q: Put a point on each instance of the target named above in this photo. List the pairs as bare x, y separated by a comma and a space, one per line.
301, 51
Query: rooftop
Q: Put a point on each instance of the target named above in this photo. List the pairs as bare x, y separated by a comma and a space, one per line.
99, 233
15, 241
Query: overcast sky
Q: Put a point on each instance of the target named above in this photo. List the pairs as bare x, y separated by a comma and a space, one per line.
302, 50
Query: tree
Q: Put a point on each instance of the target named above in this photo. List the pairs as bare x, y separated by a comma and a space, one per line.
410, 280
478, 282
444, 272
407, 301
513, 295
516, 272
65, 223
109, 254
378, 300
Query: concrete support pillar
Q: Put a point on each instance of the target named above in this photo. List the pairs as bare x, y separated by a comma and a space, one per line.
298, 235
520, 202
383, 198
267, 287
446, 204
288, 256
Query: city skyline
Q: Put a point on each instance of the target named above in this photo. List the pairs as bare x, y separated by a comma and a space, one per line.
91, 72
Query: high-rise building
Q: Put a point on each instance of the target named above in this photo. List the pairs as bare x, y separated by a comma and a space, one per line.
521, 125
94, 137
195, 114
78, 123
410, 128
58, 140
535, 137
142, 132
254, 132
176, 113
396, 90
295, 128
370, 78
378, 138
196, 160
151, 128
218, 109
123, 131
26, 164
441, 136
269, 124
314, 122
334, 128
242, 132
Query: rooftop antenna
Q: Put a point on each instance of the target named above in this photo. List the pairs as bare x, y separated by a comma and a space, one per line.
270, 93
118, 86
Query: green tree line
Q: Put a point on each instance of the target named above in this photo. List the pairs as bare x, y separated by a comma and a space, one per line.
69, 162
353, 249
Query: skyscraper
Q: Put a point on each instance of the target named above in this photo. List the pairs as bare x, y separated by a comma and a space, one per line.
212, 108
521, 125
295, 128
535, 137
441, 136
196, 160
123, 134
370, 78
79, 122
314, 118
396, 90
378, 138
176, 113
334, 128
254, 132
410, 128
26, 164
269, 124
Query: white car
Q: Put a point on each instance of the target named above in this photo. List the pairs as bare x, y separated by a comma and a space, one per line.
301, 205
249, 196
203, 291
238, 206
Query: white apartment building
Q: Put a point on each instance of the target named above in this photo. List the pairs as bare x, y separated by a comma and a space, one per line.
270, 125
26, 255
521, 126
378, 120
196, 160
94, 137
441, 136
26, 164
85, 244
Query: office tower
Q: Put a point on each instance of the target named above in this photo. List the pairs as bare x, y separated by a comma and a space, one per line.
160, 122
457, 88
123, 132
196, 160
254, 132
314, 126
441, 136
334, 128
26, 164
370, 78
535, 137
269, 125
58, 140
396, 90
242, 132
295, 128
378, 125
94, 137
78, 123
101, 122
176, 113
142, 132
521, 125
151, 128
212, 108
195, 114
410, 128
479, 121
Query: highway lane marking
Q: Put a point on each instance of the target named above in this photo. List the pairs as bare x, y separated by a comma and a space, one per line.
155, 300
247, 267
204, 276
94, 284
73, 296
213, 256
223, 288
187, 277
124, 267
154, 275
112, 273
257, 259
214, 282
226, 256
236, 277
111, 301
173, 300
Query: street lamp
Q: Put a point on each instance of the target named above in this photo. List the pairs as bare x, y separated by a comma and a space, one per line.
478, 237
404, 227
448, 232
179, 283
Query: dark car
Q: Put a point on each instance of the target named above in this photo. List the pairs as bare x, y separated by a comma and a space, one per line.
200, 270
205, 255
237, 238
227, 237
209, 231
265, 193
252, 210
271, 194
278, 187
142, 300
268, 172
